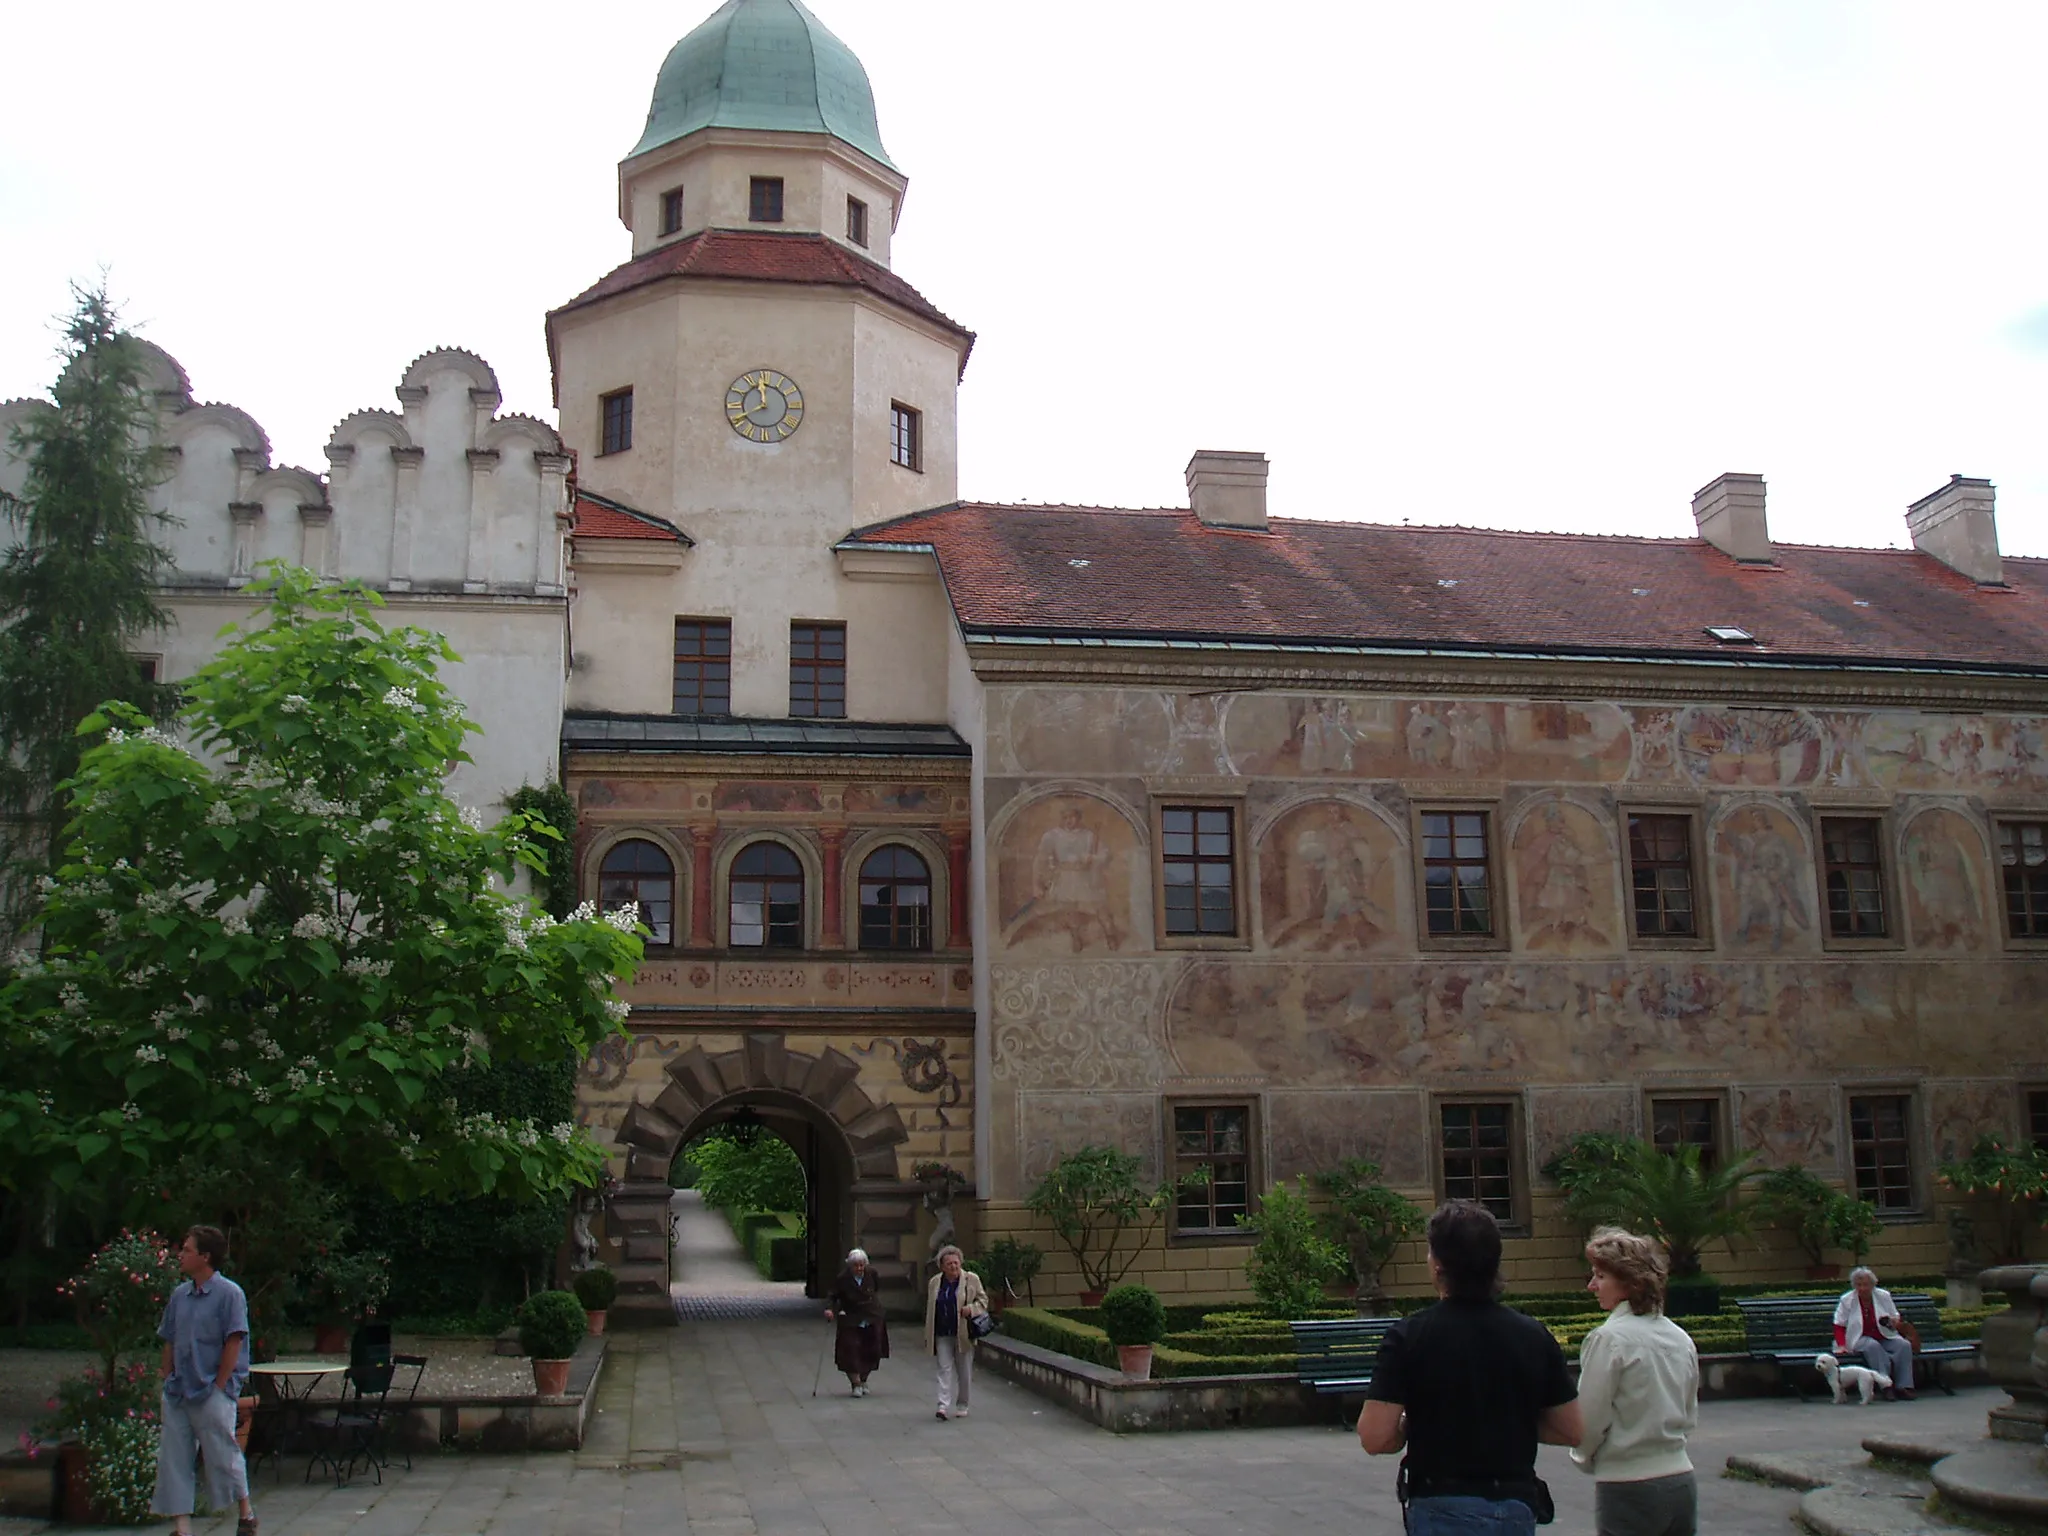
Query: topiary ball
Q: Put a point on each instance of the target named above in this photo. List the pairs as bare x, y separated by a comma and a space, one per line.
1133, 1314
551, 1325
597, 1288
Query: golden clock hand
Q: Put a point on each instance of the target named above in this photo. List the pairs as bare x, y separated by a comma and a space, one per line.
764, 391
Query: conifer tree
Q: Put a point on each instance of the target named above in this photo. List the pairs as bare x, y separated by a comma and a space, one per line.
77, 580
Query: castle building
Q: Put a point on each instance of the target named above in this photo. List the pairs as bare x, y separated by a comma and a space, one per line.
973, 834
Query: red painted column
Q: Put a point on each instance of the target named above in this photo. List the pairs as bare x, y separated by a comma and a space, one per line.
960, 867
701, 930
832, 933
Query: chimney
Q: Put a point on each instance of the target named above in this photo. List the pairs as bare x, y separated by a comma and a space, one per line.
1228, 490
1958, 525
1730, 514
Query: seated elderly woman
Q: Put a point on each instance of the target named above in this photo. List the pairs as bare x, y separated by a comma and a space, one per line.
1867, 1325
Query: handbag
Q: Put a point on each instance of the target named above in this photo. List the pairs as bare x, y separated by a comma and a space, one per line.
980, 1325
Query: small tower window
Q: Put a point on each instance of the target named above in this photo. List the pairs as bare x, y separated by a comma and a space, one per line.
764, 199
618, 421
906, 436
857, 221
671, 210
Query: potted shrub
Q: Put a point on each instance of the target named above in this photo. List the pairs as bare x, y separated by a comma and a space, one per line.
1293, 1261
2014, 1178
1007, 1265
341, 1290
1669, 1196
100, 1426
551, 1325
1094, 1199
1819, 1216
1135, 1319
1368, 1221
597, 1288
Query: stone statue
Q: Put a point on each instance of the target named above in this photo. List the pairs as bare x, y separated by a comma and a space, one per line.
940, 1185
581, 1238
1963, 1257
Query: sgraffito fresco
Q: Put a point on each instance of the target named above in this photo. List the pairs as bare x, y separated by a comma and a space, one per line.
1565, 870
1071, 879
1943, 879
1330, 881
1308, 1132
1764, 881
1794, 1124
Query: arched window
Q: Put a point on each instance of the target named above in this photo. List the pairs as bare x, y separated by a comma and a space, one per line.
767, 889
637, 871
895, 900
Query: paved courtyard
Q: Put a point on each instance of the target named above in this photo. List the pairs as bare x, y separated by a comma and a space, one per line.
710, 1428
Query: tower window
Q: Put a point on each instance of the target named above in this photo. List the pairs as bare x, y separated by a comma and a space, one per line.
618, 421
857, 221
671, 210
895, 901
764, 199
817, 670
703, 667
636, 872
906, 436
766, 910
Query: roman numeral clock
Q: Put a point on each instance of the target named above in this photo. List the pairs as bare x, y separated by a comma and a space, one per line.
764, 406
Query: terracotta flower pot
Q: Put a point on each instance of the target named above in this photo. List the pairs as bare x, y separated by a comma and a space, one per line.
550, 1378
1091, 1298
1136, 1361
71, 1466
595, 1321
330, 1338
245, 1419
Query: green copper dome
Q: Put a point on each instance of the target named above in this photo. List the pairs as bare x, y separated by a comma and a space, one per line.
763, 64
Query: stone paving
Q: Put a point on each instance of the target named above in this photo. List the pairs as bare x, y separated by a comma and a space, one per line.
712, 1279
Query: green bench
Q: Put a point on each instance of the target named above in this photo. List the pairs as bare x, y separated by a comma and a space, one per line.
1338, 1354
1791, 1330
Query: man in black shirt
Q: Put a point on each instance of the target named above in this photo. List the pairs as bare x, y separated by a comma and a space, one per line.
1468, 1387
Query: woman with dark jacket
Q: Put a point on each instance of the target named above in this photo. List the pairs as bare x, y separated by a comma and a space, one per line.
863, 1340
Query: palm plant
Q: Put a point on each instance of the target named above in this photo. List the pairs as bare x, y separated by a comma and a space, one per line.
1670, 1196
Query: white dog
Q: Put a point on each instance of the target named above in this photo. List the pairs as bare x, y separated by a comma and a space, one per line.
1840, 1378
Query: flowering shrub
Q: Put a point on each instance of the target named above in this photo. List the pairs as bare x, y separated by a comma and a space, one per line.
290, 942
2016, 1176
345, 1286
84, 1405
120, 1467
120, 1294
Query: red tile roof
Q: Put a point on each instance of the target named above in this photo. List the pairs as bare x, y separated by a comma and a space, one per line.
599, 517
1108, 572
767, 256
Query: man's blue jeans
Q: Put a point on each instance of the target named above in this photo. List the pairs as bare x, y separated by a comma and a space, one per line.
1470, 1517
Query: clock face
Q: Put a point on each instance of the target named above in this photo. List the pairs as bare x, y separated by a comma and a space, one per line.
764, 406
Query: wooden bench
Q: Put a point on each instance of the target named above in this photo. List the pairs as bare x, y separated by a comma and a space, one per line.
1791, 1330
1338, 1354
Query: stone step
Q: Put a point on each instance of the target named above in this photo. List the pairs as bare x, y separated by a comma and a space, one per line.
2000, 1479
1843, 1511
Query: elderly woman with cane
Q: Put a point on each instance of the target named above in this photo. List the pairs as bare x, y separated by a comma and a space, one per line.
862, 1342
953, 1301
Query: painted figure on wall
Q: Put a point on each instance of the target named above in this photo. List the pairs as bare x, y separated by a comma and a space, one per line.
1769, 747
1790, 1125
1563, 881
1065, 877
1957, 752
1944, 892
1329, 880
1765, 880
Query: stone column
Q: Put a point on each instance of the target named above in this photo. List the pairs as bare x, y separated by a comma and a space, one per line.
483, 463
2014, 1345
832, 934
960, 872
405, 501
701, 929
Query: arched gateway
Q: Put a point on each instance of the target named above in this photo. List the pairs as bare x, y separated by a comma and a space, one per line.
847, 1140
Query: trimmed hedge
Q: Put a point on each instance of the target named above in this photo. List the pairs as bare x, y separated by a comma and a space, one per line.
775, 1243
1084, 1341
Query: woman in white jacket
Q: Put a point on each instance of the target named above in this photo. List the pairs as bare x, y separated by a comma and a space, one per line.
1867, 1326
1639, 1393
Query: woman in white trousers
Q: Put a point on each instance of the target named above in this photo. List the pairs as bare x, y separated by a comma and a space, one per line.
955, 1295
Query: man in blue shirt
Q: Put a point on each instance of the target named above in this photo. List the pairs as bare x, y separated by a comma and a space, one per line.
206, 1333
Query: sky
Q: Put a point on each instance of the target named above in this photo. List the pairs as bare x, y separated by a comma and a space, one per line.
1501, 264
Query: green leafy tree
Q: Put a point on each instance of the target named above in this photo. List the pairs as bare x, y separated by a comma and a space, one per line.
2015, 1178
1095, 1199
78, 587
1293, 1261
293, 943
1366, 1219
554, 817
1818, 1215
1666, 1195
747, 1171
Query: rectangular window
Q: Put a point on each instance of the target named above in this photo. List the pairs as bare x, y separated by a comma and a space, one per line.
857, 221
1676, 1123
617, 409
1197, 867
1660, 868
1881, 1149
1456, 874
1216, 1137
764, 199
906, 436
2037, 1116
703, 667
2023, 866
671, 210
1476, 1149
817, 670
1852, 849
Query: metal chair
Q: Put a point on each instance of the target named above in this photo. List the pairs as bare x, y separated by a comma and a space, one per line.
401, 1411
347, 1433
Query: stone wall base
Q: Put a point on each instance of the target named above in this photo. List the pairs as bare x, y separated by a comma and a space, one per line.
1117, 1403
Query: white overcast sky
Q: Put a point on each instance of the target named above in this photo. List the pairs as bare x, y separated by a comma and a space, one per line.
1509, 264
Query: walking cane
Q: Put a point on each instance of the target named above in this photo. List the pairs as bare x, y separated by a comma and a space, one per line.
821, 1362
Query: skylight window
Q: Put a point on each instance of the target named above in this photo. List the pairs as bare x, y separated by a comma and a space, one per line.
1728, 634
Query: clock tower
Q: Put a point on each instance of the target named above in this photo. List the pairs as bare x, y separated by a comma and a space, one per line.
757, 736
